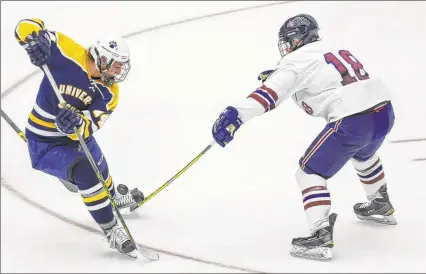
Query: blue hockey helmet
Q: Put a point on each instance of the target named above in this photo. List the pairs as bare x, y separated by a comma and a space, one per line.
296, 32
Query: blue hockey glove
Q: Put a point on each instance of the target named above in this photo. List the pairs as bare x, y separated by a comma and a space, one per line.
226, 125
38, 48
66, 120
264, 75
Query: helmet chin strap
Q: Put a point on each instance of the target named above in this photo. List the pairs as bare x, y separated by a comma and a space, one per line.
107, 80
295, 46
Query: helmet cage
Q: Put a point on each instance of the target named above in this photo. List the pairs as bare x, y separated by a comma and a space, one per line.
295, 34
104, 66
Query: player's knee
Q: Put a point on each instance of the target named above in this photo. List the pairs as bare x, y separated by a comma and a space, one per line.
308, 170
307, 180
83, 175
365, 162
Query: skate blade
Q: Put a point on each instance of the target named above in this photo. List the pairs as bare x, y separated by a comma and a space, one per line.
317, 254
132, 254
148, 254
128, 209
124, 210
132, 208
387, 220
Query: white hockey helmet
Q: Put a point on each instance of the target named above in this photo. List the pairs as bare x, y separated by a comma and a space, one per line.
112, 58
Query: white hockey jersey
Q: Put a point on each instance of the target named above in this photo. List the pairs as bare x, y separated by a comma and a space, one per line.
325, 82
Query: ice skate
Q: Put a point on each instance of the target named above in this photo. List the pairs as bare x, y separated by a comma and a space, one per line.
126, 200
318, 246
378, 210
118, 239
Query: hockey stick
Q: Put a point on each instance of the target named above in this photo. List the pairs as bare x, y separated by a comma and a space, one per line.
21, 134
175, 176
149, 254
14, 126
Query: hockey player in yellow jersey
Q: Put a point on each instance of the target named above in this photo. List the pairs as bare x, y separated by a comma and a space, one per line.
88, 81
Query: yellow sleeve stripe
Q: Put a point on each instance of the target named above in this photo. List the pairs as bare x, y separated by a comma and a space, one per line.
26, 27
112, 104
84, 129
73, 51
41, 122
99, 196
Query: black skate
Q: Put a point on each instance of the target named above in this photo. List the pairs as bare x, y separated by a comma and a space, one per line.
127, 201
318, 246
379, 210
118, 239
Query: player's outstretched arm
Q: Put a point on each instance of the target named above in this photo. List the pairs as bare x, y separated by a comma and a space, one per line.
276, 87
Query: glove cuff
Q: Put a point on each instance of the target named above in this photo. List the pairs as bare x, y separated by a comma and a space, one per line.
69, 134
61, 132
236, 114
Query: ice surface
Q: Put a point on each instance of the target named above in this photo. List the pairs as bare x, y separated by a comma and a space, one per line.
237, 206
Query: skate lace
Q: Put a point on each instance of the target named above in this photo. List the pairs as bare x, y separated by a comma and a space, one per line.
124, 199
365, 204
117, 235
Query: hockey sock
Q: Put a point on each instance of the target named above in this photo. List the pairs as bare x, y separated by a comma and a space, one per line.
371, 174
94, 196
316, 199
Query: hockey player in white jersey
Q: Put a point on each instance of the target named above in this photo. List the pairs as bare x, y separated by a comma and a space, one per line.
330, 83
